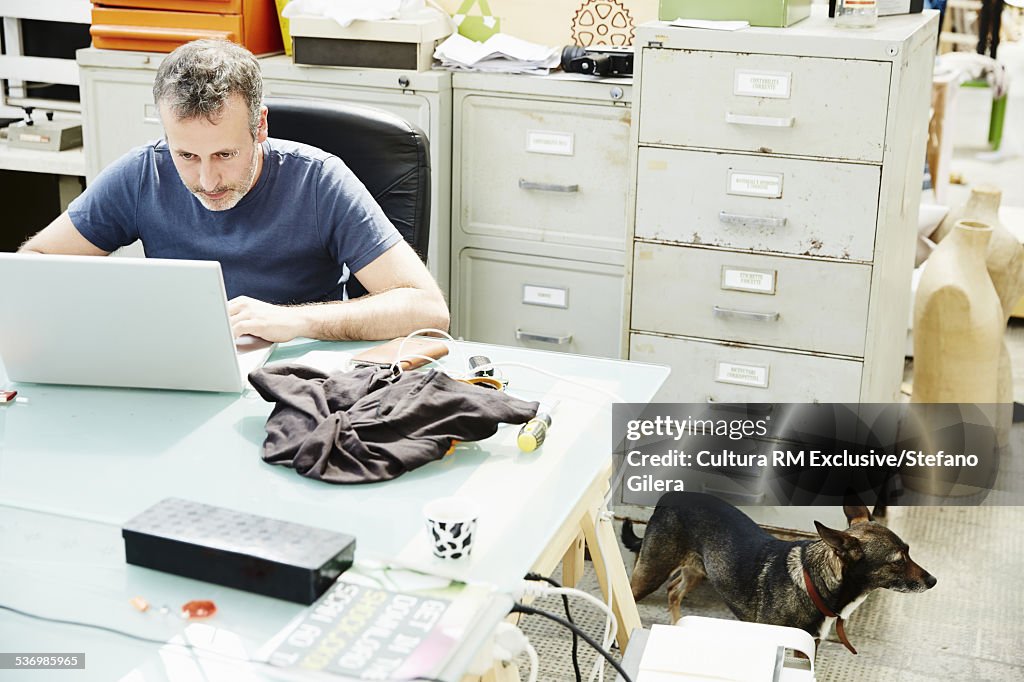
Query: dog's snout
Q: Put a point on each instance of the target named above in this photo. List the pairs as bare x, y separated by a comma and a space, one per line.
929, 581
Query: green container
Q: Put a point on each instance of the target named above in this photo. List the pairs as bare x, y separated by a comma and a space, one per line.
757, 12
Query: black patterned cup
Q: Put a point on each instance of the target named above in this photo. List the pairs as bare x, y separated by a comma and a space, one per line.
451, 524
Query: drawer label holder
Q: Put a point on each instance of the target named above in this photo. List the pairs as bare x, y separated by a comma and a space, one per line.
547, 142
756, 281
774, 84
548, 297
761, 185
744, 375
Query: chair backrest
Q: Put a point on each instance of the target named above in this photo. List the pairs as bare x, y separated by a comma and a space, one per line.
386, 152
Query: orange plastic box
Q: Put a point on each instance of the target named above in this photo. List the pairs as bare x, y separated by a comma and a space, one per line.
162, 25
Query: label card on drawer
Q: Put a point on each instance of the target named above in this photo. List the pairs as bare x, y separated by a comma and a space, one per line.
550, 297
744, 375
757, 281
546, 142
762, 84
150, 114
766, 185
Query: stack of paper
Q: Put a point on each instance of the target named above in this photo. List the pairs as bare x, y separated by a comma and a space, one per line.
711, 25
501, 53
379, 624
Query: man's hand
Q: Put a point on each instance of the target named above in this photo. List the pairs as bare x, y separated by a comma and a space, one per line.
268, 321
403, 297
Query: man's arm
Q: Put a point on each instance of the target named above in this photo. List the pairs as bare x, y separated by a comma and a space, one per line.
61, 236
403, 298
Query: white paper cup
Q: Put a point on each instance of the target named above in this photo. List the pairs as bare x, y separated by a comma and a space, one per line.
451, 525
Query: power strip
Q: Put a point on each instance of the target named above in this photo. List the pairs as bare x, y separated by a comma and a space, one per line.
276, 558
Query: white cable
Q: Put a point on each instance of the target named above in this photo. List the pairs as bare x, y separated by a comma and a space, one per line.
396, 366
611, 394
452, 344
537, 589
531, 653
509, 642
498, 365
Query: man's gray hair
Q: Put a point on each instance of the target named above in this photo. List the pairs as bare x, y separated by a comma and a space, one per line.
198, 78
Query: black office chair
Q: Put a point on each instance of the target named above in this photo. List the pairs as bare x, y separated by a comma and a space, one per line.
386, 152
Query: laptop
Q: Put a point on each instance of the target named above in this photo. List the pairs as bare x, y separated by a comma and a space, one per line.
128, 322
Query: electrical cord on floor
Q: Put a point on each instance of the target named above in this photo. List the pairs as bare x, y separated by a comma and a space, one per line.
163, 642
605, 516
568, 616
509, 642
523, 608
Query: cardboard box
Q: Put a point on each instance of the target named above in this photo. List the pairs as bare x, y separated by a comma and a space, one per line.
757, 12
395, 44
554, 22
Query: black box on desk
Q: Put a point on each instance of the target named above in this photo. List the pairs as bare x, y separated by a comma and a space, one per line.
276, 558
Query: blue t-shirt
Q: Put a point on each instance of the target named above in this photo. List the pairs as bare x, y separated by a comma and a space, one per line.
285, 241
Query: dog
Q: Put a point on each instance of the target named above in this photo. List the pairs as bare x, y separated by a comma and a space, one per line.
807, 584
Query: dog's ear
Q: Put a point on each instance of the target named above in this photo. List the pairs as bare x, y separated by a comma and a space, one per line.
856, 513
843, 544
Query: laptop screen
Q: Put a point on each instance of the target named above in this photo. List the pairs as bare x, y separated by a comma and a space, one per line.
112, 321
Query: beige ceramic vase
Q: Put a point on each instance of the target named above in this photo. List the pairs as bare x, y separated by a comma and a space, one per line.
1005, 264
958, 322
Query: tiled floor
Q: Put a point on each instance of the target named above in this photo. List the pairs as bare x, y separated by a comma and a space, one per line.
969, 628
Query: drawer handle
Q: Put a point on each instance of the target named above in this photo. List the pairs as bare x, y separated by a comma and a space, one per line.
751, 220
762, 121
157, 33
547, 186
731, 314
543, 338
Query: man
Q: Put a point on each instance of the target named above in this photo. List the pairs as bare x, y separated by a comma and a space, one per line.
282, 218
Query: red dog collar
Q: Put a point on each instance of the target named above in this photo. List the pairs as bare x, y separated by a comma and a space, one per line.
819, 603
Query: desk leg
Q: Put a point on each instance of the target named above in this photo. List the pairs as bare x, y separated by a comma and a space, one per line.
563, 547
623, 605
573, 561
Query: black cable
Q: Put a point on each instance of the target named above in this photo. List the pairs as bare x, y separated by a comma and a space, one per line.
568, 617
523, 608
162, 642
104, 628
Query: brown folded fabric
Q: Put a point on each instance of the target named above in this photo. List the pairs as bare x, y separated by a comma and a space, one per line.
370, 425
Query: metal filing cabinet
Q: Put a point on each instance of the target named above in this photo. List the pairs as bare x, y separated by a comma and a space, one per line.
776, 177
118, 114
539, 192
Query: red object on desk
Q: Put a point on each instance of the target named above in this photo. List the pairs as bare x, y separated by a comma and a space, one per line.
198, 609
7, 396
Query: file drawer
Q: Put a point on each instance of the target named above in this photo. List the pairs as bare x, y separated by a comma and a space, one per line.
716, 372
119, 114
544, 170
534, 302
767, 300
252, 23
806, 106
215, 6
758, 203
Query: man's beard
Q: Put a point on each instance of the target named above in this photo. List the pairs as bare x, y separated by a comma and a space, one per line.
234, 192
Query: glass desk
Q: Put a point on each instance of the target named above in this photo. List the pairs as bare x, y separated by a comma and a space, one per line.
77, 462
